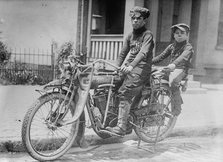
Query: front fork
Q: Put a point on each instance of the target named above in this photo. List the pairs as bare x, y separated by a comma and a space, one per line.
61, 109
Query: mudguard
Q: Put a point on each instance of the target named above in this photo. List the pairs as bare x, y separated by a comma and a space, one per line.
55, 84
82, 95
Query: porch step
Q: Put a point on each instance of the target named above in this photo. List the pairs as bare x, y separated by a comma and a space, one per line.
194, 87
194, 84
215, 87
195, 91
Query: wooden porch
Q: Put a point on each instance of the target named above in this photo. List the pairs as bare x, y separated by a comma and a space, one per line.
105, 47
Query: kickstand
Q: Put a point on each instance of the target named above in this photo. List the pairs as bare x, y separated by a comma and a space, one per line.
139, 142
154, 146
157, 135
144, 148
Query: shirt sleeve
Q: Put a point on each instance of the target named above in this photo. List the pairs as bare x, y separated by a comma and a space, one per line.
146, 46
163, 55
185, 56
124, 51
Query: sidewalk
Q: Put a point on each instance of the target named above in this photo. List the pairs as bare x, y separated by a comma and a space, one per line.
201, 115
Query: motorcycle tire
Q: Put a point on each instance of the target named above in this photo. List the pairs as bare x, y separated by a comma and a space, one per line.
43, 140
155, 133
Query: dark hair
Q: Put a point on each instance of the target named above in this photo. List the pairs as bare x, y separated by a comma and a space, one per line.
145, 13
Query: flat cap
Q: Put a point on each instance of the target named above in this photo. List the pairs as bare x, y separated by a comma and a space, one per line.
181, 26
139, 11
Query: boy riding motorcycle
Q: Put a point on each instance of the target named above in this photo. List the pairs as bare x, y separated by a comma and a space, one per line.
135, 57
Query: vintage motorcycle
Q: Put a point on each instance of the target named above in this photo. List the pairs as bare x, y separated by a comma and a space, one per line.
57, 119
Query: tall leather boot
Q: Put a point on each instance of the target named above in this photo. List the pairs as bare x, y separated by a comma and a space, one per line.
176, 102
120, 129
176, 108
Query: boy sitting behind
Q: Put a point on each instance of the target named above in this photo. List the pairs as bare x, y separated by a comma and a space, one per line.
180, 52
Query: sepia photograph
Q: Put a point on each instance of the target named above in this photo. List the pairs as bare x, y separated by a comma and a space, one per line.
111, 80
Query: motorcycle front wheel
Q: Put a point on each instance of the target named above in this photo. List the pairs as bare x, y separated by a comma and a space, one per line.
158, 126
43, 135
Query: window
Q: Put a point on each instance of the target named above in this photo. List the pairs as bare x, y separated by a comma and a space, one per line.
108, 16
220, 27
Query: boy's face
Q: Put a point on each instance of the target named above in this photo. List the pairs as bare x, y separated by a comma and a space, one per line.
180, 35
137, 21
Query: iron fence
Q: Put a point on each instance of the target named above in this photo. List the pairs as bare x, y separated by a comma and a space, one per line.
33, 66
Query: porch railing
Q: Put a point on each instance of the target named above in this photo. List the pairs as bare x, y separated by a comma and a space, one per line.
105, 47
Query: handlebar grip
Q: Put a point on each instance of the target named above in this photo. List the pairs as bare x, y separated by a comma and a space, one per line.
131, 74
166, 69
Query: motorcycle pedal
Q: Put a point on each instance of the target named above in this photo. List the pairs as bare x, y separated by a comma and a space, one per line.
111, 133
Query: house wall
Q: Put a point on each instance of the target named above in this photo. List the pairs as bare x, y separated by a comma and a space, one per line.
202, 35
36, 23
212, 54
209, 65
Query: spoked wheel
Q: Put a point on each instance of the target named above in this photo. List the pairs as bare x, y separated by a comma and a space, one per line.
43, 134
157, 126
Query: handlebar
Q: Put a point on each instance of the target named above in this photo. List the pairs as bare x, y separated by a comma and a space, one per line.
104, 73
98, 61
163, 69
159, 72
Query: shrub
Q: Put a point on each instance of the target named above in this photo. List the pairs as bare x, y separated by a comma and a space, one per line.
66, 49
4, 53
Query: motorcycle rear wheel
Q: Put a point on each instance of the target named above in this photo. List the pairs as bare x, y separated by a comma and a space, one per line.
43, 140
158, 132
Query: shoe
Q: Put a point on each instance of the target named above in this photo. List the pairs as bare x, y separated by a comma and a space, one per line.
176, 111
117, 130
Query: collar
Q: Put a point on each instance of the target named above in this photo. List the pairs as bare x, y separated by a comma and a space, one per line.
139, 31
179, 44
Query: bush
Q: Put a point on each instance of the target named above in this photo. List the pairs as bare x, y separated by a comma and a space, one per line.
4, 53
66, 49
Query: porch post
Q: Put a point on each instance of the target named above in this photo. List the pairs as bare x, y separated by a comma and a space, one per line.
78, 35
89, 30
82, 29
153, 6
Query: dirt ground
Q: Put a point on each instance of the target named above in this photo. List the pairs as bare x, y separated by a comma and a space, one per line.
173, 149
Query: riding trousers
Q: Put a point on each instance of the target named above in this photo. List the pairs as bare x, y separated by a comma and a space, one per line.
174, 80
131, 86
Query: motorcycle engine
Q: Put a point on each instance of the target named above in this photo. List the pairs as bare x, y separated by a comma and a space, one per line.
100, 101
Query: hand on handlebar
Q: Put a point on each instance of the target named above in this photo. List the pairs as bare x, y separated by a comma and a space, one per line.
126, 69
